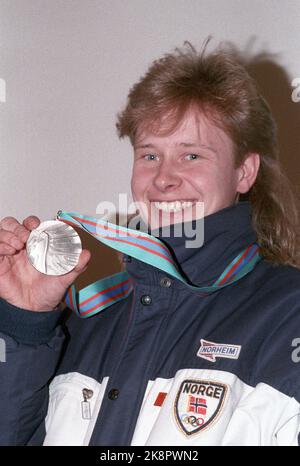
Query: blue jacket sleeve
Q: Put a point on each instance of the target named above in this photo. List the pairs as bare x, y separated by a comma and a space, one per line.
30, 347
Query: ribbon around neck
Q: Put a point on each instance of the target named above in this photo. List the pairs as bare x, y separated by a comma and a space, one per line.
148, 249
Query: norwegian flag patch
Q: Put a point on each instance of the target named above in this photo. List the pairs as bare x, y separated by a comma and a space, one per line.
198, 403
210, 350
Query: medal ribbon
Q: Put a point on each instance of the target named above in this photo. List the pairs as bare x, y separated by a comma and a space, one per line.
146, 248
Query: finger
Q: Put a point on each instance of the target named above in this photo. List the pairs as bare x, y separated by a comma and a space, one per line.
12, 225
80, 267
31, 222
84, 259
6, 250
9, 223
10, 239
22, 233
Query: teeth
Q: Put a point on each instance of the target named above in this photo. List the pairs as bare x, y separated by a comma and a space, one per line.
174, 206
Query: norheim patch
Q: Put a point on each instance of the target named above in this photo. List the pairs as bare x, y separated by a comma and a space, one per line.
210, 350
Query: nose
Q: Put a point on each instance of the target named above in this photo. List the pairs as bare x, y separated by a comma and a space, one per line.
167, 177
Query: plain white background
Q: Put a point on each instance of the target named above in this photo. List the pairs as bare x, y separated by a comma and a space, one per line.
68, 66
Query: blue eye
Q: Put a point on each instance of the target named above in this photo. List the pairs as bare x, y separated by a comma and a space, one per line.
150, 157
192, 156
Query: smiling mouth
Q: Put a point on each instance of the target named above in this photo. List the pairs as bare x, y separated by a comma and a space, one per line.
173, 206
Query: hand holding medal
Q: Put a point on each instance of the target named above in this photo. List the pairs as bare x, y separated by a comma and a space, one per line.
38, 262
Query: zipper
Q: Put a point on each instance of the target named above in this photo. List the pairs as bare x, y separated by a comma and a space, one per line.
85, 404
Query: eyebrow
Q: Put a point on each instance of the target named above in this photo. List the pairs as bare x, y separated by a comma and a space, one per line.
182, 144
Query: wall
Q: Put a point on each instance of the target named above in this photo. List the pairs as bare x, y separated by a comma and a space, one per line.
68, 65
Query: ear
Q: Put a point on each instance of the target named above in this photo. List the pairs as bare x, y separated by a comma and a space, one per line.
248, 171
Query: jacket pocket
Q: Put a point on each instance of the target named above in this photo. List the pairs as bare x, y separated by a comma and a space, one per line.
74, 402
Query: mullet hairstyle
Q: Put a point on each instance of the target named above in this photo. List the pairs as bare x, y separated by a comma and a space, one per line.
218, 85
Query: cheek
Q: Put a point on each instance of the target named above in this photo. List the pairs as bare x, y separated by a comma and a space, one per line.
139, 181
211, 178
202, 177
227, 184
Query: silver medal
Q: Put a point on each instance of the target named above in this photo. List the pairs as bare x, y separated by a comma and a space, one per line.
54, 248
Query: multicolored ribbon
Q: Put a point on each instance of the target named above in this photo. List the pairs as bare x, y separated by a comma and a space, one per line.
146, 248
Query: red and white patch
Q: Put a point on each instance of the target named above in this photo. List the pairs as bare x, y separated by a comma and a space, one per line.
160, 399
198, 403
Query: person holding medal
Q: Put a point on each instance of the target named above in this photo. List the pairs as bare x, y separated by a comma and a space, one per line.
197, 348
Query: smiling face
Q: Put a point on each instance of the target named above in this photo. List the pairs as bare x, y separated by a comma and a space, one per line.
195, 163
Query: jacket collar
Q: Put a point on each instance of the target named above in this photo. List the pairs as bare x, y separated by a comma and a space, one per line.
226, 233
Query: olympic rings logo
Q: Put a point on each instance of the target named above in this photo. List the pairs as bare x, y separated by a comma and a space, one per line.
193, 420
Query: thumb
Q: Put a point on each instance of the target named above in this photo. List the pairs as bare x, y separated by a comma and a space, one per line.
84, 259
